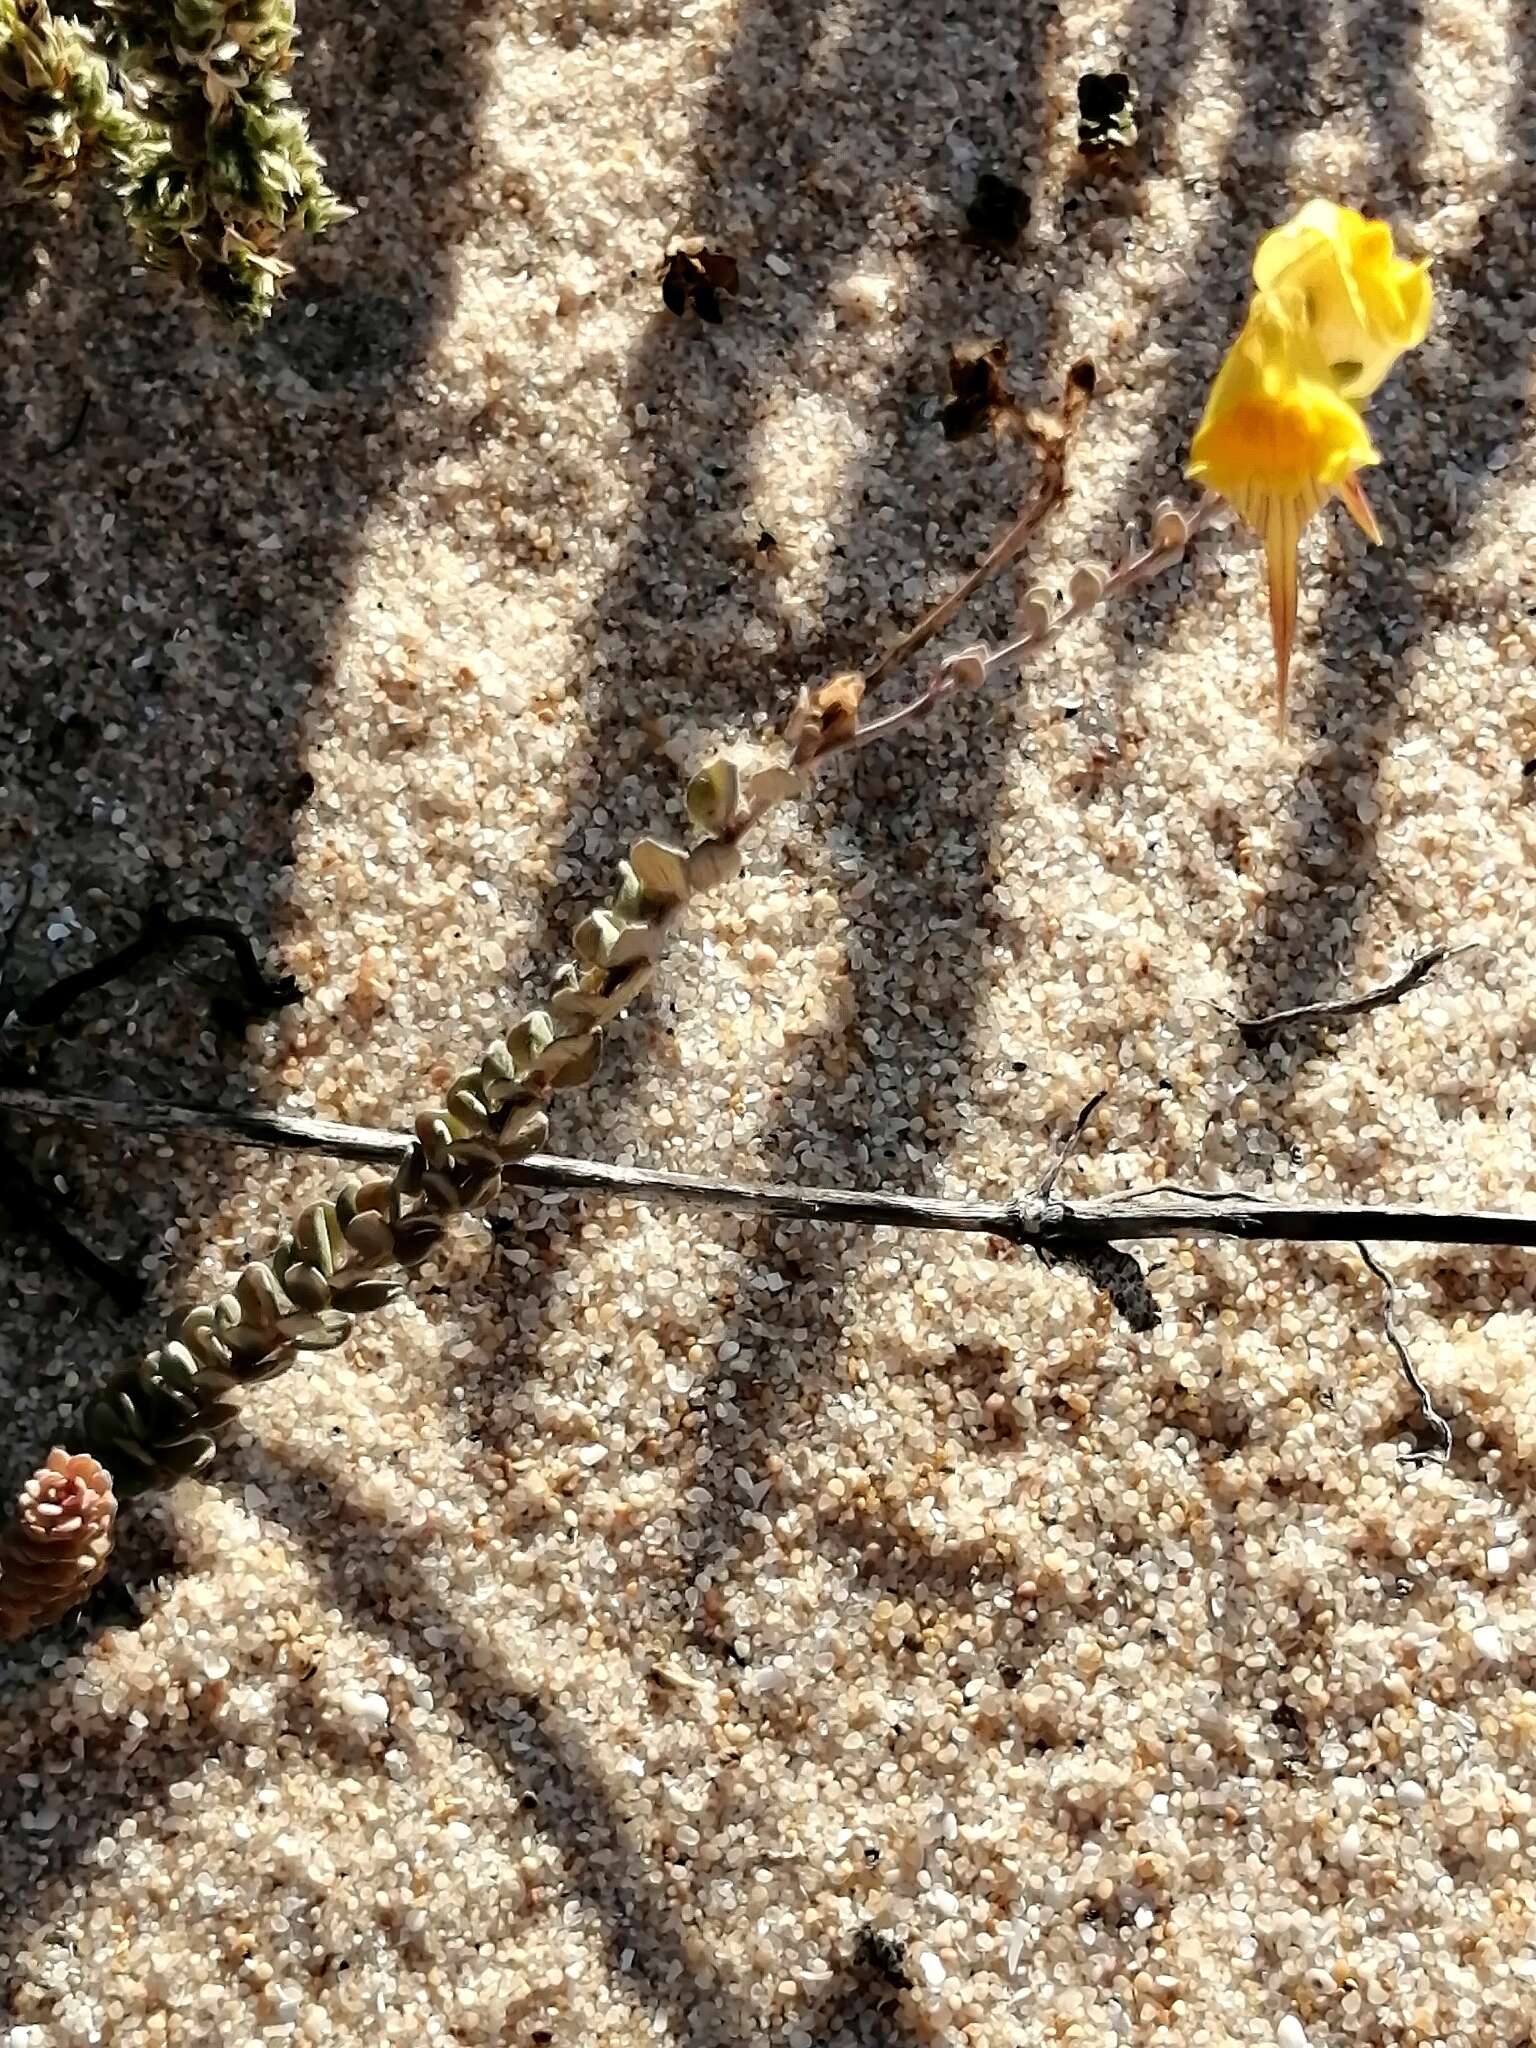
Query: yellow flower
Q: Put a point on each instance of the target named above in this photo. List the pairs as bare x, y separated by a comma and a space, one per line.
1282, 433
1363, 303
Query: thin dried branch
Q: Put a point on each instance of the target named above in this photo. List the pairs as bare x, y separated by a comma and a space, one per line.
1429, 1414
1255, 1030
1070, 1143
1038, 1222
1054, 446
1089, 586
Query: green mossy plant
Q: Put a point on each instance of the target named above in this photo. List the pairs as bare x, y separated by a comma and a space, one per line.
184, 105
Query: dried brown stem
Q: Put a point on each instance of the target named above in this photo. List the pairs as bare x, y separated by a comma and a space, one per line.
1255, 1030
1035, 1221
972, 666
1051, 488
1429, 1414
1070, 1144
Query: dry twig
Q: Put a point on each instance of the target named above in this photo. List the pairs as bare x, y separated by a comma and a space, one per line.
1049, 492
1070, 1144
1429, 1414
1038, 1222
1255, 1030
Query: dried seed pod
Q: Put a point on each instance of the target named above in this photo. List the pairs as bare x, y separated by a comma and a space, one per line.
1035, 612
529, 1038
713, 861
1106, 116
306, 1288
714, 796
981, 398
1087, 584
998, 214
662, 871
58, 1541
1170, 529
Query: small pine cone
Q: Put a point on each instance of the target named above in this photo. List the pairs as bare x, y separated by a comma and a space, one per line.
57, 1544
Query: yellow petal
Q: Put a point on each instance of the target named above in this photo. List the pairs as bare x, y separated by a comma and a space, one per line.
1363, 302
1313, 228
1270, 433
1281, 433
1282, 533
1352, 497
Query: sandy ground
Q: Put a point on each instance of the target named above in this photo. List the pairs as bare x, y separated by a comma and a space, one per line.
600, 1645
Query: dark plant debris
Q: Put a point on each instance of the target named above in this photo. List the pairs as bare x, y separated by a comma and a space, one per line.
260, 995
72, 436
981, 397
885, 1956
33, 1211
1106, 116
998, 215
8, 940
696, 276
